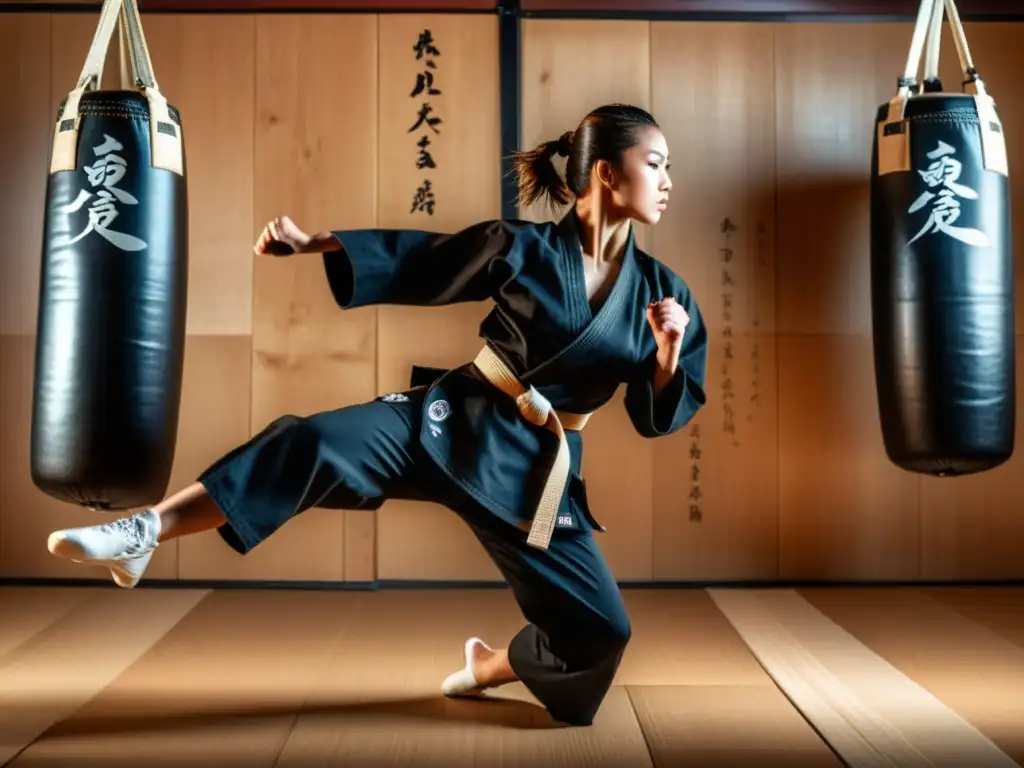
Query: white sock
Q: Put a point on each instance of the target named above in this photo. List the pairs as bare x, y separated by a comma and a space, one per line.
464, 682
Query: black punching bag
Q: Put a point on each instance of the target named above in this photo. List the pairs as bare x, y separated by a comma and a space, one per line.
112, 296
942, 277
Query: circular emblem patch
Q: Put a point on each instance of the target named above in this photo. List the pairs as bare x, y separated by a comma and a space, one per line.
439, 410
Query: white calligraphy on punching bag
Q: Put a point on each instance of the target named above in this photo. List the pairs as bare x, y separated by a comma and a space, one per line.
105, 173
945, 172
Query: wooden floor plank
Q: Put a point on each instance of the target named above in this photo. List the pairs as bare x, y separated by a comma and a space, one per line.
73, 659
706, 726
26, 611
968, 667
110, 677
380, 702
681, 638
1000, 609
870, 712
425, 730
223, 688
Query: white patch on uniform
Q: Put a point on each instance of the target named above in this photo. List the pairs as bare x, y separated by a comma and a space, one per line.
439, 410
565, 520
434, 430
395, 397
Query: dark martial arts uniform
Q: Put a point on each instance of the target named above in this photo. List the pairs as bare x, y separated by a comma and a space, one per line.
465, 443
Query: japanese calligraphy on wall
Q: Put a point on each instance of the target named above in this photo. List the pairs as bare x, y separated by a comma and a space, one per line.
696, 515
755, 348
427, 119
728, 392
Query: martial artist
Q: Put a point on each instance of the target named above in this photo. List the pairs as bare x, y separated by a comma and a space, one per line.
578, 311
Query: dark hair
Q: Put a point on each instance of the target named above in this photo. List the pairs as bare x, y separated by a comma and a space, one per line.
604, 134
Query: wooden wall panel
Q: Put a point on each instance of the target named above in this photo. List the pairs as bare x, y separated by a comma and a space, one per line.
999, 58
715, 494
316, 148
419, 540
28, 514
205, 66
215, 417
761, 10
567, 71
216, 379
26, 120
265, 137
830, 79
845, 512
60, 45
823, 276
972, 527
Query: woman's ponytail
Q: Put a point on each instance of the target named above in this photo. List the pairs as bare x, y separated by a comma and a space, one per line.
537, 175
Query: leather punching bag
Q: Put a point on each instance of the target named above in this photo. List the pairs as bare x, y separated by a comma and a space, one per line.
112, 296
942, 277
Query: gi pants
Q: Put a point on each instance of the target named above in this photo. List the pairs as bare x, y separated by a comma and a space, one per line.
359, 456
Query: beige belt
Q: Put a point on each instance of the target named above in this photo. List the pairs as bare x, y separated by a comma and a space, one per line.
536, 409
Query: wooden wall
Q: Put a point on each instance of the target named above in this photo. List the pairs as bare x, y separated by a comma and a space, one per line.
770, 129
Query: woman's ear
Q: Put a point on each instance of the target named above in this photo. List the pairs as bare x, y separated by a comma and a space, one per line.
605, 174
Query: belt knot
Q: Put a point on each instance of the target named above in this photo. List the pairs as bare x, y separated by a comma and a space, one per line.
534, 407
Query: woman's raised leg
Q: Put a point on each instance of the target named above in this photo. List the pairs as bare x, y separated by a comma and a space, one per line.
350, 458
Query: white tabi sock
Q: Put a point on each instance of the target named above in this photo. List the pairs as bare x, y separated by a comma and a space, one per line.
463, 682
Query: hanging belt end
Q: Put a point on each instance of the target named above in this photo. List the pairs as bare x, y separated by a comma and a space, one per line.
540, 530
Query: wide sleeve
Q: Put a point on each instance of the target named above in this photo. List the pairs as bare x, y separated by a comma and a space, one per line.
415, 267
684, 395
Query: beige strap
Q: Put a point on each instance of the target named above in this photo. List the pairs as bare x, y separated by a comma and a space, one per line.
536, 409
122, 51
931, 50
165, 135
893, 138
893, 134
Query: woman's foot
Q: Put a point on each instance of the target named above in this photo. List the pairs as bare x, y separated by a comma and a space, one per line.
465, 682
125, 546
485, 668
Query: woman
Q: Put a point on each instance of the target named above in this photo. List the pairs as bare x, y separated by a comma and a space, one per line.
579, 310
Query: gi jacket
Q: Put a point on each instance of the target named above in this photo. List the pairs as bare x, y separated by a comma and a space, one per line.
543, 327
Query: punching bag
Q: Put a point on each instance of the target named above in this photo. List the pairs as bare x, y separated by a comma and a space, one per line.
112, 295
942, 277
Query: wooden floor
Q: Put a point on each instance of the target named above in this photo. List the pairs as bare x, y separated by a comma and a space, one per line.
179, 677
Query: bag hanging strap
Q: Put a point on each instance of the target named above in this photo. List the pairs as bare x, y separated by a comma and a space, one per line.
893, 137
122, 51
165, 133
908, 80
993, 141
930, 79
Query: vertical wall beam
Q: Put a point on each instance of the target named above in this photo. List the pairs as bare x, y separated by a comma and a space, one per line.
510, 85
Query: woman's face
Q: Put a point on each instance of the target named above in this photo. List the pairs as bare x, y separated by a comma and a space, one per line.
641, 186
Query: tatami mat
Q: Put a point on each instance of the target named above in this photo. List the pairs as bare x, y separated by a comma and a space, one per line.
725, 726
380, 704
1000, 610
26, 612
223, 687
157, 677
869, 711
52, 676
681, 638
973, 670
